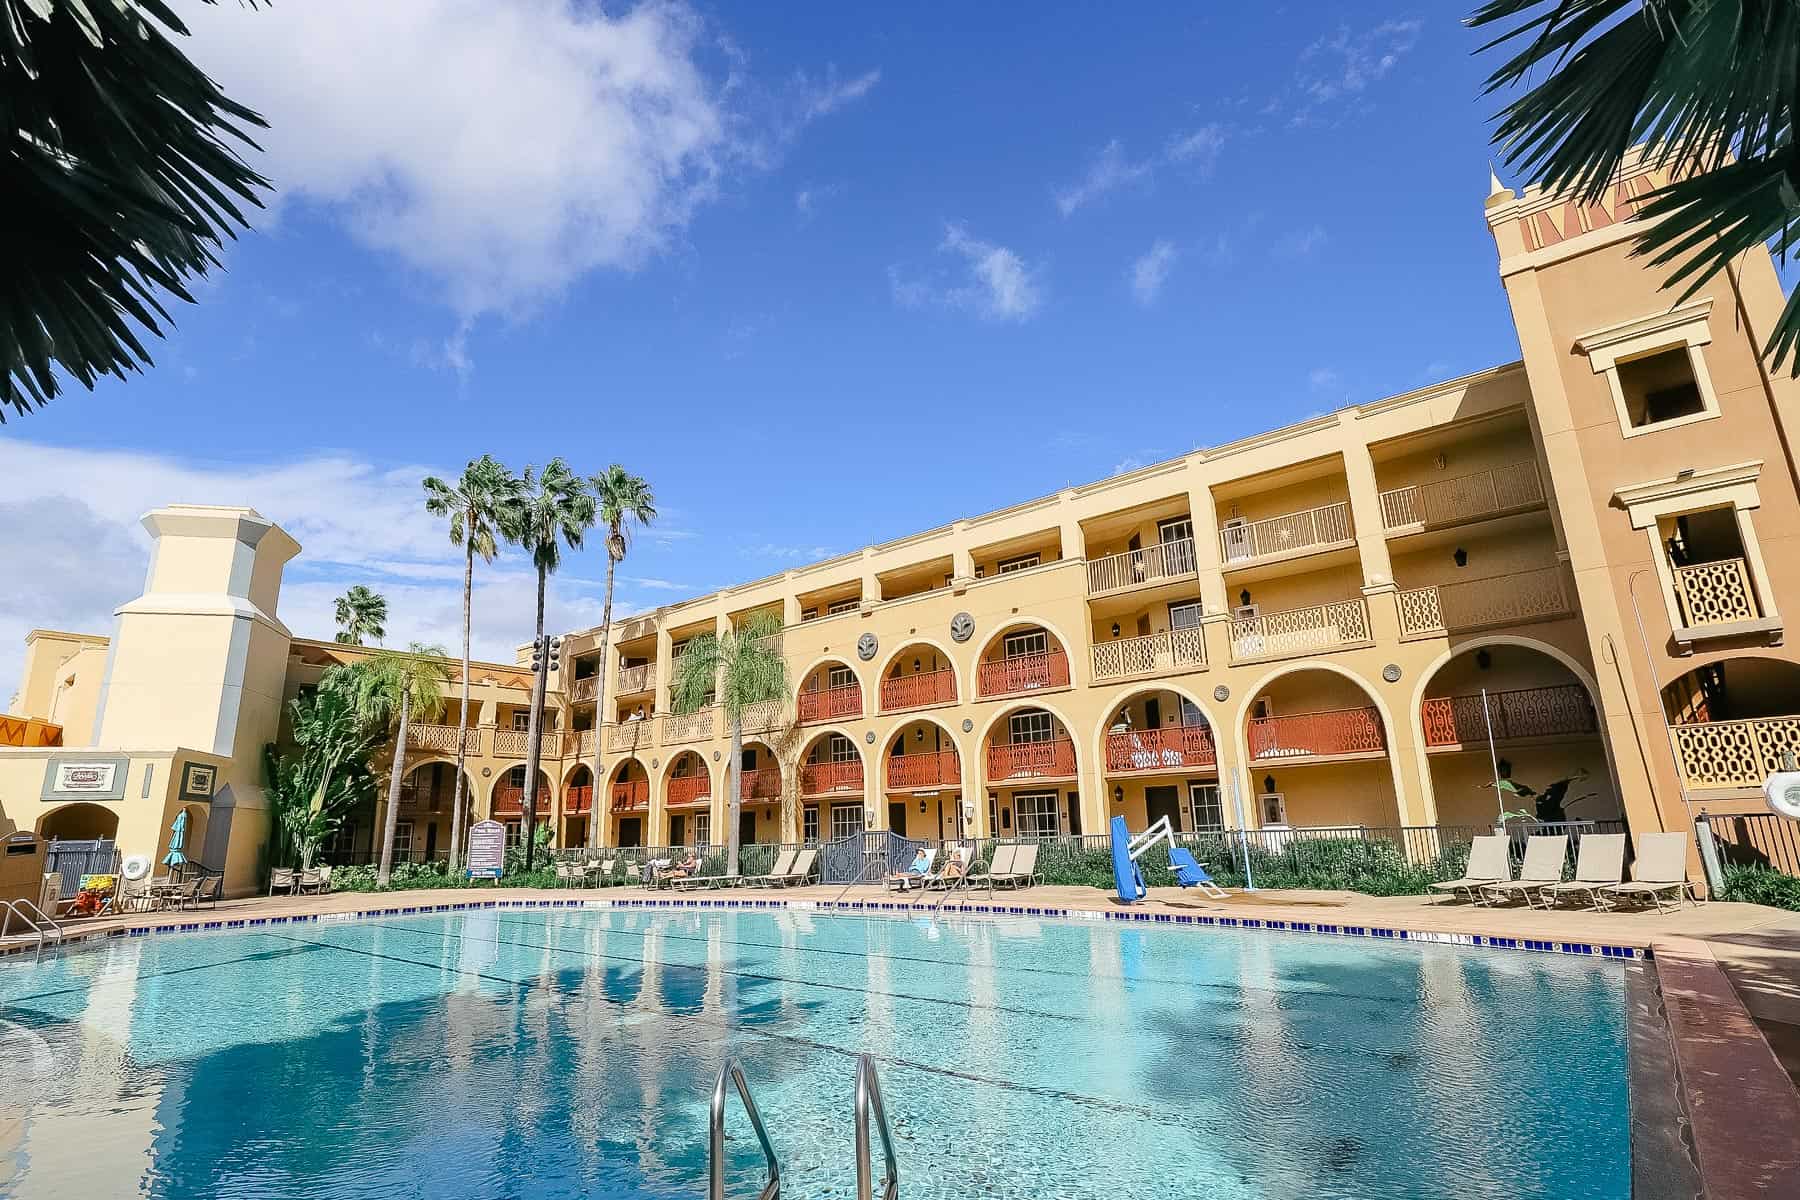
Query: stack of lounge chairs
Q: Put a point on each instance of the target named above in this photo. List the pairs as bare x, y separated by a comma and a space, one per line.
1658, 877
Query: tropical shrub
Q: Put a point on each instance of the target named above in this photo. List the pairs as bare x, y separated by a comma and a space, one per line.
1759, 885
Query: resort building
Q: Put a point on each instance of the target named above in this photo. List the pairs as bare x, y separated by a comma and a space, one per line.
1567, 571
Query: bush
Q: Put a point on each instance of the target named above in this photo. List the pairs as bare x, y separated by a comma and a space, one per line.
1374, 866
407, 877
1759, 885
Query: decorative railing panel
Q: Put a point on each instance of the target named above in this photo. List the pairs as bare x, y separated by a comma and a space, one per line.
1135, 568
516, 743
442, 738
1541, 594
628, 736
584, 689
578, 799
631, 794
689, 791
938, 768
582, 743
1054, 759
1023, 673
1462, 498
831, 703
640, 678
1327, 525
695, 726
1173, 650
819, 778
761, 784
1519, 713
1300, 630
920, 690
1715, 593
761, 718
1317, 734
1170, 748
1736, 754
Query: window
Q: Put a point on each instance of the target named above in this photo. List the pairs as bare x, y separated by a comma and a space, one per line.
1274, 809
515, 831
522, 720
1034, 726
1176, 529
1660, 387
840, 749
848, 604
1039, 814
342, 839
846, 821
1023, 562
1236, 533
1185, 615
703, 829
1655, 368
839, 677
1204, 807
516, 778
1027, 642
809, 825
403, 837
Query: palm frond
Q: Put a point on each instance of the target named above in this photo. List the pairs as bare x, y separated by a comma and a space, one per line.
696, 673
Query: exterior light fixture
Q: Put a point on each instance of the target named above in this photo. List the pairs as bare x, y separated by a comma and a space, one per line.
1115, 629
1118, 794
915, 666
1244, 597
921, 806
1462, 557
1269, 784
1483, 659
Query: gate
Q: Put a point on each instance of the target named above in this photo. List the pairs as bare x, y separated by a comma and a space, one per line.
866, 856
73, 859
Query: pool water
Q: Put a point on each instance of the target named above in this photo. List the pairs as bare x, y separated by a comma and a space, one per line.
571, 1053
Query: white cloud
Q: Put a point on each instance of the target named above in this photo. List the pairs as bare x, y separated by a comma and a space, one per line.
1300, 243
1199, 149
789, 553
808, 199
1113, 169
825, 98
1343, 65
1151, 271
1322, 379
995, 283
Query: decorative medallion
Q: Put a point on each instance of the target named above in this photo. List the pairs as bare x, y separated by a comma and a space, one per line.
968, 725
869, 737
655, 763
1391, 672
866, 646
715, 756
1221, 693
962, 627
486, 771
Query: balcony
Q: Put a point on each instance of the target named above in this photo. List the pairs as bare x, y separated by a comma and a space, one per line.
1165, 562
1474, 497
760, 785
696, 726
1307, 532
631, 796
1053, 759
441, 738
1733, 754
579, 800
831, 703
1170, 748
690, 791
1516, 599
516, 743
624, 737
931, 769
921, 690
641, 678
1300, 631
1346, 732
1023, 673
583, 743
762, 717
817, 779
584, 689
1538, 712
1152, 654
1715, 593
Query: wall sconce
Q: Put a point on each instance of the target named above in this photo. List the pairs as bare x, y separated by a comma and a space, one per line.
1269, 784
915, 666
1118, 795
921, 807
1461, 556
1440, 462
1006, 818
1115, 629
1244, 596
1505, 768
1483, 659
919, 734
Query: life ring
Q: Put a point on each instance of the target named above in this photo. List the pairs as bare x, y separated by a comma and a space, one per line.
136, 867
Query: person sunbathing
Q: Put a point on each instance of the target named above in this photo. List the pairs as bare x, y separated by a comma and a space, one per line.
914, 874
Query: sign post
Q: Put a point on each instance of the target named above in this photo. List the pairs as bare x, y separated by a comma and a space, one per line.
486, 858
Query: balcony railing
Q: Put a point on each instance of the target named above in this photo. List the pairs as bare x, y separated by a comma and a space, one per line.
760, 718
1317, 734
761, 784
1311, 529
1023, 673
1734, 754
689, 791
627, 736
1173, 650
630, 795
1139, 568
933, 768
1516, 599
579, 799
1054, 759
1170, 748
920, 690
442, 738
831, 703
509, 801
641, 678
1300, 630
513, 743
584, 689
1520, 713
1512, 488
819, 778
582, 743
1716, 593
695, 726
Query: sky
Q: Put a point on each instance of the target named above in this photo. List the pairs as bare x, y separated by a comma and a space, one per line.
824, 274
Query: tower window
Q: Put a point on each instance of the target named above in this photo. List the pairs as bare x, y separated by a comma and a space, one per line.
1660, 387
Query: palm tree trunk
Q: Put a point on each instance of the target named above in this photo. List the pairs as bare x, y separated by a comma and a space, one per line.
395, 774
734, 771
594, 816
462, 719
537, 718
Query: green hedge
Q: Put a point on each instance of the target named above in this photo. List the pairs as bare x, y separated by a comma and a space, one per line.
1759, 885
1374, 867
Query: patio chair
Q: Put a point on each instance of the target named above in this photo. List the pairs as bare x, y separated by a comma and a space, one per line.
784, 862
1599, 865
902, 880
955, 872
802, 869
310, 883
1024, 868
1660, 867
1000, 865
1545, 855
212, 888
281, 879
567, 873
1488, 863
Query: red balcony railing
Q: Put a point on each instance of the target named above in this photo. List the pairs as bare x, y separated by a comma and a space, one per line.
818, 778
831, 704
509, 801
1318, 734
1171, 748
934, 768
632, 794
579, 799
1024, 673
1054, 759
763, 784
918, 691
1521, 713
689, 790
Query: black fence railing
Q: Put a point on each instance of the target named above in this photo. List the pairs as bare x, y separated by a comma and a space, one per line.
1757, 840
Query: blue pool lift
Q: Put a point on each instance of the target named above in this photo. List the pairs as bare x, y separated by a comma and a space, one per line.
1126, 850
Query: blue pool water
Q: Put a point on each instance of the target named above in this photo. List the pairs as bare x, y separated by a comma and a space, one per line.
570, 1053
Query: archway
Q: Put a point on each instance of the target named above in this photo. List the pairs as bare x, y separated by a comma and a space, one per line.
78, 822
427, 808
831, 787
921, 776
628, 803
687, 801
508, 805
830, 690
578, 804
920, 674
1031, 768
1731, 720
760, 789
1158, 755
1020, 658
1316, 751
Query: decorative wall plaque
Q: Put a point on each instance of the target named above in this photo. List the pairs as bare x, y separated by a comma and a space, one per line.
1391, 672
1221, 693
968, 725
962, 627
866, 646
869, 737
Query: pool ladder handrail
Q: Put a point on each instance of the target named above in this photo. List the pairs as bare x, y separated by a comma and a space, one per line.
868, 1103
36, 920
715, 1190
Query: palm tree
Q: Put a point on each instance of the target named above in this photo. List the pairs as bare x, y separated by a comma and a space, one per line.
475, 505
395, 687
119, 160
1707, 87
620, 498
746, 668
361, 614
551, 510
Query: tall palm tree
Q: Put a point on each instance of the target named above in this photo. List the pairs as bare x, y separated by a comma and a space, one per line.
396, 686
119, 159
361, 614
746, 668
552, 509
475, 505
1708, 88
620, 498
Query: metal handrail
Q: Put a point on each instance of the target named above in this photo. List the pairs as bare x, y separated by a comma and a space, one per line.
868, 1099
715, 1189
41, 924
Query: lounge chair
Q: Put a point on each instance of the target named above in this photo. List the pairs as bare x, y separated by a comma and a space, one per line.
784, 862
1661, 866
1545, 855
802, 869
912, 876
1024, 868
955, 871
1000, 865
604, 872
281, 879
1488, 864
1599, 865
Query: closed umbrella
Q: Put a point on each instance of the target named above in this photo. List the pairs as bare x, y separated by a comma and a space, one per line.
177, 838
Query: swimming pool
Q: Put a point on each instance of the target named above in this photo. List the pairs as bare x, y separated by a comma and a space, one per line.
571, 1053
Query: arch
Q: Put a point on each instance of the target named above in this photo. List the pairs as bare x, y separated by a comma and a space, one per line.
617, 770
1131, 691
80, 821
957, 676
884, 745
824, 731
568, 776
1241, 731
841, 660
194, 839
1024, 622
1670, 694
997, 637
668, 769
546, 788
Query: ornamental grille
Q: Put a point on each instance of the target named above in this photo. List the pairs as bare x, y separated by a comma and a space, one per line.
1715, 592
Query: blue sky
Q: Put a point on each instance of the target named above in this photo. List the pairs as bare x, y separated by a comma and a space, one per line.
982, 255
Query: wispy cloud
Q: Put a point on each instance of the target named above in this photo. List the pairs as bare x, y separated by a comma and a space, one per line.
808, 199
826, 96
1322, 379
788, 553
994, 282
1112, 168
1300, 243
1341, 66
1151, 271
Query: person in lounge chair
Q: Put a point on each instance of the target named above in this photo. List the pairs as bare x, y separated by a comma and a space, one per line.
914, 875
681, 870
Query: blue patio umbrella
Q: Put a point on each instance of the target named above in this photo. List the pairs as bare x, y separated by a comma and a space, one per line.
177, 838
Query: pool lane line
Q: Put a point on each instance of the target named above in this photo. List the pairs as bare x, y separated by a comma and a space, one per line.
135, 977
1119, 1107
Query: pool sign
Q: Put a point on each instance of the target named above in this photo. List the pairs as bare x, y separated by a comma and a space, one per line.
487, 850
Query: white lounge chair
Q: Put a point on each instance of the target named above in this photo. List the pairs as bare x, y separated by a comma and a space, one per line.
1660, 867
784, 862
801, 871
1599, 865
901, 880
1000, 866
1024, 870
1545, 855
1488, 863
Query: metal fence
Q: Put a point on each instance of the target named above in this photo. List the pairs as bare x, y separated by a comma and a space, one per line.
1757, 840
73, 859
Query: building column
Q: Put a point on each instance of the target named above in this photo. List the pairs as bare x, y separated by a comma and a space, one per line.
1205, 517
1074, 541
1096, 797
974, 794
